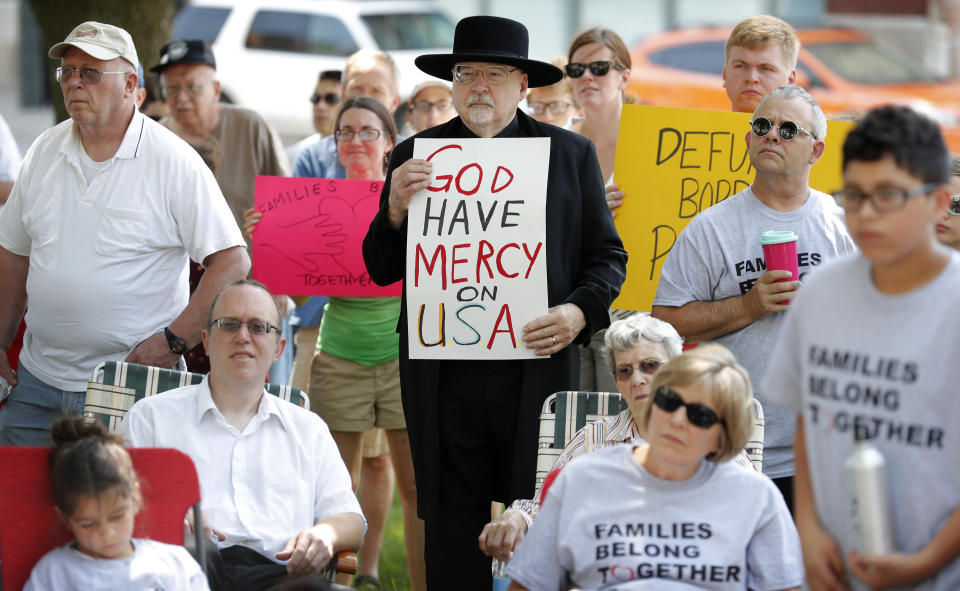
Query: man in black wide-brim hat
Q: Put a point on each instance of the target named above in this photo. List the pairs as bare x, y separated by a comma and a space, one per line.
473, 424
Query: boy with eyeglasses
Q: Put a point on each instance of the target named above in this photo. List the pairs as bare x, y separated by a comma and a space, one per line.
948, 228
869, 344
715, 284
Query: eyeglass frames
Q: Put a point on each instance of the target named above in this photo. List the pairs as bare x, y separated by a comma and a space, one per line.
699, 415
555, 107
254, 327
193, 89
494, 74
884, 200
427, 106
787, 130
63, 74
623, 373
366, 135
954, 205
331, 98
599, 68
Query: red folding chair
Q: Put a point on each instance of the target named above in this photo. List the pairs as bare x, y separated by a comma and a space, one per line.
29, 526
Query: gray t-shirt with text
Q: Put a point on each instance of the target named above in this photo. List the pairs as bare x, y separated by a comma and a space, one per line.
609, 524
851, 356
718, 255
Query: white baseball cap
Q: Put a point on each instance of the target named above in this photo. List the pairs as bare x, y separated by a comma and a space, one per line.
103, 42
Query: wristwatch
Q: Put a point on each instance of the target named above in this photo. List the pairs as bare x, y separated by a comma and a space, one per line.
178, 346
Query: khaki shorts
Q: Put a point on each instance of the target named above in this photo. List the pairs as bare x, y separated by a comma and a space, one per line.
375, 443
350, 396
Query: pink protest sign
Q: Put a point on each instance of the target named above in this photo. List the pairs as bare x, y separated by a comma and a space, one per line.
308, 241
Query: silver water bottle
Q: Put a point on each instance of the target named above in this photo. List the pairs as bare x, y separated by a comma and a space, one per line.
870, 508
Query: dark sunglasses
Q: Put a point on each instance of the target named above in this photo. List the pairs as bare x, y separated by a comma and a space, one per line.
331, 98
698, 414
955, 205
575, 70
647, 366
788, 130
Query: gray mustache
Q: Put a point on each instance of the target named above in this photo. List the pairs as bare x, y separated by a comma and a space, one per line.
484, 99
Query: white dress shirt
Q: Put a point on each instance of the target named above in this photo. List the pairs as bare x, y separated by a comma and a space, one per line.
260, 486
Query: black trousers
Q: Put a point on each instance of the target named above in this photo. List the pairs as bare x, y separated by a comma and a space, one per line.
479, 404
246, 570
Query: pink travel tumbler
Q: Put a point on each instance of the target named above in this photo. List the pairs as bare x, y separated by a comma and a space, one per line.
780, 252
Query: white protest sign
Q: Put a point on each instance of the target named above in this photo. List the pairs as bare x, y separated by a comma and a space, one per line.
476, 248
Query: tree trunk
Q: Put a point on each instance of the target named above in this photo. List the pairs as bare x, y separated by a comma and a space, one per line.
148, 22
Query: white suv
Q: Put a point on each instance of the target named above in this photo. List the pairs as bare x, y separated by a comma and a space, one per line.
269, 52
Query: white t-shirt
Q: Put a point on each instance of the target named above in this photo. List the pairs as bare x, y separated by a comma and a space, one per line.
9, 153
262, 486
724, 528
108, 260
718, 255
849, 355
153, 565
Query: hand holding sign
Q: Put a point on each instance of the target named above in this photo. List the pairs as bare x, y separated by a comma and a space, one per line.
409, 178
614, 197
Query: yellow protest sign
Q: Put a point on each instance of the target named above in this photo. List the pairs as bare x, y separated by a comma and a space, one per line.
674, 163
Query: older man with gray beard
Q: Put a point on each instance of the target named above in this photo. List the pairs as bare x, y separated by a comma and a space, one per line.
473, 424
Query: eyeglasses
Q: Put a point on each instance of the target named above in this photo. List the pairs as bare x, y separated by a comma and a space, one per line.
787, 130
492, 74
954, 206
623, 373
699, 415
193, 89
88, 75
555, 107
884, 200
575, 70
427, 106
255, 327
365, 135
331, 98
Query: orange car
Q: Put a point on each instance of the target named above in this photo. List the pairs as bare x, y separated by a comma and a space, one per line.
845, 70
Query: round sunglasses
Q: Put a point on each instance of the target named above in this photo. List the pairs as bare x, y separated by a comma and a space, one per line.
699, 415
787, 130
575, 69
623, 373
954, 205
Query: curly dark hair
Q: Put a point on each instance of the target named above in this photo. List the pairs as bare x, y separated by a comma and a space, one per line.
912, 139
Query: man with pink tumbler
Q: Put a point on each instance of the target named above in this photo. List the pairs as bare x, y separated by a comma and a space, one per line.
719, 284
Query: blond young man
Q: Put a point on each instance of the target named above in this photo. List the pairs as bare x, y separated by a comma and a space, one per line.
760, 55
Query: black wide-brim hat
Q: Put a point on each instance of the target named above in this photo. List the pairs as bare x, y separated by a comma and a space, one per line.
490, 39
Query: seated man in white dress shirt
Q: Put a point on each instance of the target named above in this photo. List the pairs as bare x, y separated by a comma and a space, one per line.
275, 492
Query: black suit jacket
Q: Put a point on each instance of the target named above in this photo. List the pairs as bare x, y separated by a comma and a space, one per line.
586, 265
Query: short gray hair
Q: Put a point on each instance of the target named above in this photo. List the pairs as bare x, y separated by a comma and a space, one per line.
790, 91
365, 57
625, 334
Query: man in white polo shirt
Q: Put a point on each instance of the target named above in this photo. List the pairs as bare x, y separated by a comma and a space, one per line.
105, 213
274, 488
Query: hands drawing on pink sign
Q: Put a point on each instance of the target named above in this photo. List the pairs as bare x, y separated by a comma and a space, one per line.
308, 241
